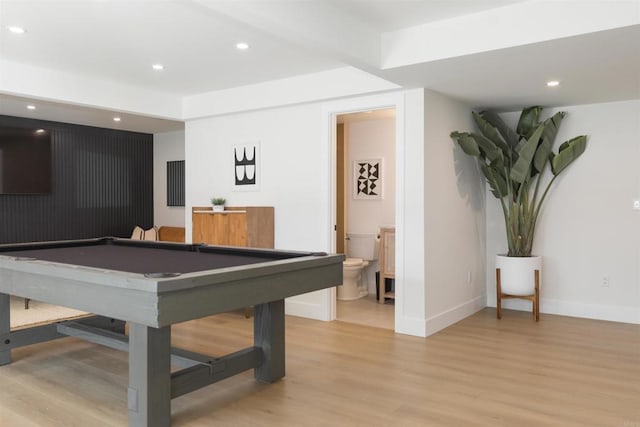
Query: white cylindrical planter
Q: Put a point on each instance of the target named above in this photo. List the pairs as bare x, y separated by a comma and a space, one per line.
517, 274
218, 208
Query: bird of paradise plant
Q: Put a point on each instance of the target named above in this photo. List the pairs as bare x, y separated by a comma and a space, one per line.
513, 163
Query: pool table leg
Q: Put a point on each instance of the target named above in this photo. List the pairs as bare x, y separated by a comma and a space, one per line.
268, 334
149, 393
5, 325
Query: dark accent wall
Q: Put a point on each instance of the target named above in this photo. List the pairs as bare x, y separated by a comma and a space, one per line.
102, 186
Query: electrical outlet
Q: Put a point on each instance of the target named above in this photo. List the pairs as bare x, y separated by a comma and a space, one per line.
605, 281
636, 205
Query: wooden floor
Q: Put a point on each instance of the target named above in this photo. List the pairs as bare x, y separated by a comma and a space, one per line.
38, 313
480, 372
367, 311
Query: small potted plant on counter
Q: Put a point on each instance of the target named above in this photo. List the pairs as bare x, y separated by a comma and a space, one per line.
218, 203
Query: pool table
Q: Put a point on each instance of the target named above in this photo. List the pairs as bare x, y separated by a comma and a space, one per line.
153, 285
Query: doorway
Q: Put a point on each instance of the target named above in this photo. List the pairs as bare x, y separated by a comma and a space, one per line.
365, 186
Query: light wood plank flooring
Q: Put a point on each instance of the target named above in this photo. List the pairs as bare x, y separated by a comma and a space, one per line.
38, 313
367, 311
480, 372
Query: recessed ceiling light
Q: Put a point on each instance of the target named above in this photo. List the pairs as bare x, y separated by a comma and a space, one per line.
40, 131
17, 30
158, 67
553, 83
31, 107
242, 46
116, 119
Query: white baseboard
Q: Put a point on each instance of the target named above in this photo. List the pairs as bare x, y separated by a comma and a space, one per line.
411, 326
304, 309
447, 318
613, 313
424, 328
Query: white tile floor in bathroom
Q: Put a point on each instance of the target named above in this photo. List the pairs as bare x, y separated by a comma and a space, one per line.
367, 311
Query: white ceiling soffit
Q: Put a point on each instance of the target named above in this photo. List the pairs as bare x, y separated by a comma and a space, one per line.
494, 53
392, 15
56, 112
591, 68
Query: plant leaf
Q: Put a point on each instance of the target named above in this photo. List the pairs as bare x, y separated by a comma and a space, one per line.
568, 152
496, 181
487, 147
551, 127
467, 143
521, 170
490, 132
529, 120
542, 155
507, 133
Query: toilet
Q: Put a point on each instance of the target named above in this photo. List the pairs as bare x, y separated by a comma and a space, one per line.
360, 249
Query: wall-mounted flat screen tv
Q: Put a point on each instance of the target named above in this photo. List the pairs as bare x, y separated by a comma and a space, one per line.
25, 161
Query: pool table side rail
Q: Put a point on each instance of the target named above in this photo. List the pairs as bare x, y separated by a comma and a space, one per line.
160, 302
174, 307
137, 281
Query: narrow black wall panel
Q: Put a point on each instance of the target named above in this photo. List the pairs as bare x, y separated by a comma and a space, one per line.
102, 186
175, 183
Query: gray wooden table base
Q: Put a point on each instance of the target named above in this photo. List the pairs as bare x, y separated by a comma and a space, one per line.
152, 385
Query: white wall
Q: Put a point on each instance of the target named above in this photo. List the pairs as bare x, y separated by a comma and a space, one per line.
454, 215
294, 173
372, 139
294, 176
588, 228
168, 146
296, 179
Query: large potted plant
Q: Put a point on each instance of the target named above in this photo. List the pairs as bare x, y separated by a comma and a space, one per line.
520, 167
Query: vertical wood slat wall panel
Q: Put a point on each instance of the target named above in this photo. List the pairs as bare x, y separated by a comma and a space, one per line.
102, 185
175, 183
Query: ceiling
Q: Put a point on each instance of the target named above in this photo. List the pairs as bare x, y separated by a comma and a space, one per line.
117, 41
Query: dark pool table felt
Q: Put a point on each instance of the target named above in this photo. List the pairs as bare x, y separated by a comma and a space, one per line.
139, 259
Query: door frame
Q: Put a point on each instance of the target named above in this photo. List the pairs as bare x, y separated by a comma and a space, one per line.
330, 111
